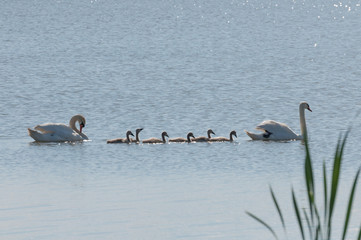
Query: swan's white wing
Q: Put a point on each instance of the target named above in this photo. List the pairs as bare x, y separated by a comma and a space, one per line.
58, 132
84, 137
53, 127
279, 130
44, 136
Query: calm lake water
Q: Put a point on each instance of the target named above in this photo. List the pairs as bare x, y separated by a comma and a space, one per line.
177, 66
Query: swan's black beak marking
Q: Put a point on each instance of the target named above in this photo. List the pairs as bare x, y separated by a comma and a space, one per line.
309, 109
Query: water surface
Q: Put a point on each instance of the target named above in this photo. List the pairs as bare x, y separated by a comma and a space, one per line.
179, 67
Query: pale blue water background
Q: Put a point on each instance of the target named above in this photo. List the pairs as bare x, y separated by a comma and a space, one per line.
178, 66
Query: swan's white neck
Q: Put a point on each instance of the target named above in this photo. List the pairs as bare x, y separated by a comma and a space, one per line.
72, 122
303, 122
72, 125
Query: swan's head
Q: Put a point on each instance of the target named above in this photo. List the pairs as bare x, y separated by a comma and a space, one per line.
81, 123
234, 133
81, 126
77, 118
209, 132
305, 105
164, 134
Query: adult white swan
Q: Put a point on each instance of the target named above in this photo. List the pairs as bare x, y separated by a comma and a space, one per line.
59, 132
273, 130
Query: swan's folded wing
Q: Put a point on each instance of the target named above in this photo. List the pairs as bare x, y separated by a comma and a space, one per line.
52, 128
280, 130
61, 131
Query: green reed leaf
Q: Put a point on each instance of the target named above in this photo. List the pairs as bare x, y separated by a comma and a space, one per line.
348, 214
325, 189
308, 223
298, 214
335, 180
319, 224
309, 179
318, 231
263, 223
278, 208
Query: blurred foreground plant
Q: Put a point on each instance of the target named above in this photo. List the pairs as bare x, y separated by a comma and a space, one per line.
319, 227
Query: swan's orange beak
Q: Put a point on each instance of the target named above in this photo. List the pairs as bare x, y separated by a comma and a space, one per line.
309, 109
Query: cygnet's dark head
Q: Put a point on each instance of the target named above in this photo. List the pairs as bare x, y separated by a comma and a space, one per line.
138, 130
129, 133
210, 131
190, 134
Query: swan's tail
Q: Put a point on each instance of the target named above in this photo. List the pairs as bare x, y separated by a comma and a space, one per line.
34, 134
254, 136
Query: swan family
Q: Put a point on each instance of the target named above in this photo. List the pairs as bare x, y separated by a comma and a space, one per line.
270, 130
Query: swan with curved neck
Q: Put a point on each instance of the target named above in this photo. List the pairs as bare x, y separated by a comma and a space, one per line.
122, 140
59, 132
180, 139
203, 138
224, 139
273, 130
157, 140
